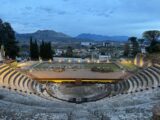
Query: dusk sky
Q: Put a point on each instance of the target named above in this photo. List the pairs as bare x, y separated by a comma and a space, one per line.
105, 17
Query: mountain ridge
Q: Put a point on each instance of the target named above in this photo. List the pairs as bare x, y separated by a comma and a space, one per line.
53, 36
47, 35
97, 37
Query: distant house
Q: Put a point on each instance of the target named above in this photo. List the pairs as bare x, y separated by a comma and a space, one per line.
104, 58
87, 43
58, 52
106, 44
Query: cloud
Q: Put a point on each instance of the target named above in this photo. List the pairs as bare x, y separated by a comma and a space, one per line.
45, 9
28, 8
113, 17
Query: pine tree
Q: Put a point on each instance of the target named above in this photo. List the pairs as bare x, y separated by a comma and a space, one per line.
135, 46
8, 39
69, 52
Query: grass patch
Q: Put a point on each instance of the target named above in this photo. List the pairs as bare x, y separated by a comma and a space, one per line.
111, 66
129, 66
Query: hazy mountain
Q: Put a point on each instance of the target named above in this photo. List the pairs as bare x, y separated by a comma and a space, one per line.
50, 35
102, 37
46, 35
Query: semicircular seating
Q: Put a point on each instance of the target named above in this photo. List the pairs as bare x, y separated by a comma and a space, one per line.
146, 79
153, 81
149, 77
2, 73
131, 84
123, 86
5, 78
134, 80
138, 82
156, 76
143, 80
126, 86
143, 83
116, 89
15, 80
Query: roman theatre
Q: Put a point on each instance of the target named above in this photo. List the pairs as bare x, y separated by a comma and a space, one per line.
76, 82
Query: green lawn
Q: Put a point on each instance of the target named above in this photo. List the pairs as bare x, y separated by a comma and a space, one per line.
112, 66
102, 65
129, 66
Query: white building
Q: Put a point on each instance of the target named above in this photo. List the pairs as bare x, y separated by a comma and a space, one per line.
70, 60
58, 52
87, 43
104, 58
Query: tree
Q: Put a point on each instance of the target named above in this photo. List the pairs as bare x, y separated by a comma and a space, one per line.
50, 52
34, 49
126, 50
46, 52
134, 46
141, 41
69, 52
42, 52
31, 48
8, 40
156, 48
152, 36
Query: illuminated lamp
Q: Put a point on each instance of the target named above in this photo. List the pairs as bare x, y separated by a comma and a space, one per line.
69, 61
50, 61
88, 61
59, 60
79, 61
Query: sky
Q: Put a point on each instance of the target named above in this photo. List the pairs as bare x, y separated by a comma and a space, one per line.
73, 17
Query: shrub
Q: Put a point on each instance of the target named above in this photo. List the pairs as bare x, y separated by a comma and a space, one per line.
102, 69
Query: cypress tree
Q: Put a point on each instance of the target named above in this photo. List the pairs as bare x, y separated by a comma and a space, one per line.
46, 50
42, 52
50, 50
36, 50
31, 48
69, 52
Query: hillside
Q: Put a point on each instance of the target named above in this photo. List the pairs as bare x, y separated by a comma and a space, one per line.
101, 37
46, 35
51, 35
